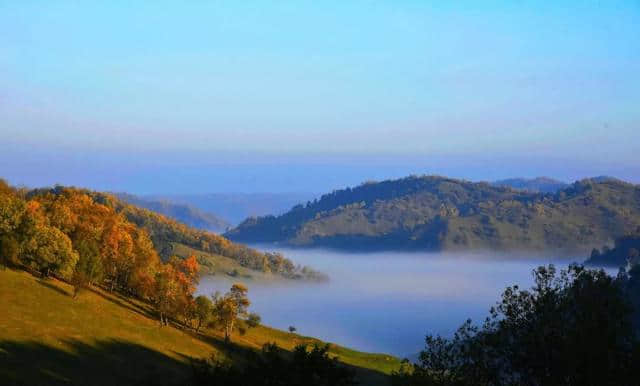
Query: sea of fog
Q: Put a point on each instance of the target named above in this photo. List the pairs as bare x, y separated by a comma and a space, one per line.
386, 302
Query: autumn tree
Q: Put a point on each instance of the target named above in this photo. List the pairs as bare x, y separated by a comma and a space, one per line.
230, 307
165, 292
11, 212
186, 277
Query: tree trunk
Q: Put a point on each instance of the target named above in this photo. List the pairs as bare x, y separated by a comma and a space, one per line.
227, 333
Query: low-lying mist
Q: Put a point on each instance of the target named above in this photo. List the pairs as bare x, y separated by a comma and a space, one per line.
387, 302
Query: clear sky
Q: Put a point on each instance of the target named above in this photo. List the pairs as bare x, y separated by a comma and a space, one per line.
102, 91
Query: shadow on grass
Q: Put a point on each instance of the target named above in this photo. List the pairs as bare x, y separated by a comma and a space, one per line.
49, 285
107, 362
116, 362
123, 302
241, 355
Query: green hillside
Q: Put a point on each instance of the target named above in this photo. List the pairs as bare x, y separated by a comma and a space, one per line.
436, 213
100, 338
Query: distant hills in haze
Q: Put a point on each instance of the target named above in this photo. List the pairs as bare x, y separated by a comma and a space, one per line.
542, 184
184, 213
236, 207
438, 213
538, 184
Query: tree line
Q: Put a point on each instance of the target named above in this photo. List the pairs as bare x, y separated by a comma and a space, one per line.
164, 232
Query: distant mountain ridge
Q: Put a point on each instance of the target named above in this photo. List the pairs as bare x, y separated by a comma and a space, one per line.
438, 213
543, 184
236, 207
538, 184
187, 214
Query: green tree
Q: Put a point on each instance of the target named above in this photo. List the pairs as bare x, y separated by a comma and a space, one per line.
203, 311
89, 268
49, 250
253, 320
9, 250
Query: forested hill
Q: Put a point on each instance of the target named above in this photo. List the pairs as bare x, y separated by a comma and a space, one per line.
93, 221
183, 213
437, 213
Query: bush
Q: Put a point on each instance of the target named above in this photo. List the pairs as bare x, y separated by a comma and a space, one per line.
275, 367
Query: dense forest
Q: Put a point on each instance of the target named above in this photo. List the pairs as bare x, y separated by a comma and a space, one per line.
437, 213
184, 213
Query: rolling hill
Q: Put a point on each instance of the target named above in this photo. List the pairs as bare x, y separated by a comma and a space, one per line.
437, 213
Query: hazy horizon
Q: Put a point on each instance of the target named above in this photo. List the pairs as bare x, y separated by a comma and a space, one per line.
168, 97
175, 173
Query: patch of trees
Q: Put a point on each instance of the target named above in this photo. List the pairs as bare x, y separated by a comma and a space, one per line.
164, 232
276, 367
67, 234
574, 327
226, 312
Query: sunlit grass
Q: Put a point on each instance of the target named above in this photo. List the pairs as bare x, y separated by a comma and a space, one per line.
43, 312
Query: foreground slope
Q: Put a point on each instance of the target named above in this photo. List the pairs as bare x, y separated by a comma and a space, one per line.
439, 213
101, 338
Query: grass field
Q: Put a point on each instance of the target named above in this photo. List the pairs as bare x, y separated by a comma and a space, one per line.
100, 338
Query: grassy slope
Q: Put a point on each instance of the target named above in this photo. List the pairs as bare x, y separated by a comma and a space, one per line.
47, 337
214, 264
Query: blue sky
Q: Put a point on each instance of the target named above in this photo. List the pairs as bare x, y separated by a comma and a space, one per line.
397, 85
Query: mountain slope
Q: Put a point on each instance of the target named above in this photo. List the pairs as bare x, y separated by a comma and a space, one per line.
436, 213
183, 213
